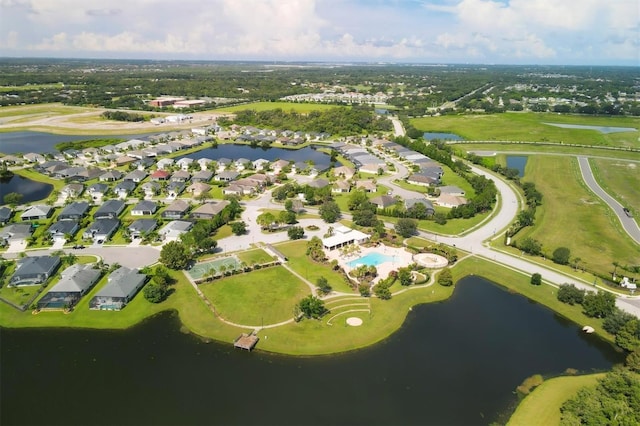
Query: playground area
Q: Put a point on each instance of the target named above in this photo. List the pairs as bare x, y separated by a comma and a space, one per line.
205, 269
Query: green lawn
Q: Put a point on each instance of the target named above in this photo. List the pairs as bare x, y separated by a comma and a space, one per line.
285, 106
265, 296
573, 217
621, 180
531, 127
33, 175
256, 256
42, 109
300, 262
542, 406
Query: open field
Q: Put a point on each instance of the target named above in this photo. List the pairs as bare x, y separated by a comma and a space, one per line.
530, 127
542, 406
285, 106
10, 89
573, 217
530, 149
621, 180
265, 296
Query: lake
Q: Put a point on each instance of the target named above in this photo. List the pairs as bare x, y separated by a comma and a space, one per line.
233, 152
517, 162
442, 136
454, 362
601, 129
30, 189
40, 142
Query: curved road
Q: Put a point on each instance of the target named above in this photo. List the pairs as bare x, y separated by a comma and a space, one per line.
628, 224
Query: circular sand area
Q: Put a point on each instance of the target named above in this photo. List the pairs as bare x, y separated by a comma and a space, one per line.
354, 321
430, 260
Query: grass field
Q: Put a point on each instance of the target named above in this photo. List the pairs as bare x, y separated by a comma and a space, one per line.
542, 406
265, 296
285, 106
42, 109
257, 256
531, 127
462, 149
26, 87
621, 180
573, 217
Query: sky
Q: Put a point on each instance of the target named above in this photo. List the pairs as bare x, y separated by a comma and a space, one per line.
554, 32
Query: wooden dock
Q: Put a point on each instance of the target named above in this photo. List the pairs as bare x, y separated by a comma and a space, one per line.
246, 341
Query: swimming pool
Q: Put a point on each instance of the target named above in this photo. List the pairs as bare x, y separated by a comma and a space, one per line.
370, 259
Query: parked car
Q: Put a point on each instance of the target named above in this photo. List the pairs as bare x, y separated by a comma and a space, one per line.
78, 247
627, 212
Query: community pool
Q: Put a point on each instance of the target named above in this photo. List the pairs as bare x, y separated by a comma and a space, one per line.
370, 259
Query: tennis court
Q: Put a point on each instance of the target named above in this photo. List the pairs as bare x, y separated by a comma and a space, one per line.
201, 270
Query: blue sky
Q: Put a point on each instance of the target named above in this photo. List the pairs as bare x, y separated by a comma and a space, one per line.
565, 32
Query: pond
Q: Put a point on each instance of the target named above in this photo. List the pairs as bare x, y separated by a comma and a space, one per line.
31, 190
233, 152
601, 129
429, 136
455, 362
41, 142
517, 162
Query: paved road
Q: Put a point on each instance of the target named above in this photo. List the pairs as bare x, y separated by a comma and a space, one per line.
628, 224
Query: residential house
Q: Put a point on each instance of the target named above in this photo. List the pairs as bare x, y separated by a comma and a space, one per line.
63, 228
184, 163
180, 176
174, 189
33, 157
223, 163
198, 188
451, 190
299, 167
411, 203
75, 282
111, 176
447, 200
122, 285
101, 230
209, 210
344, 171
160, 175
205, 163
366, 185
422, 180
145, 163
318, 183
226, 176
74, 211
176, 210
5, 215
372, 168
137, 176
72, 190
98, 190
172, 230
37, 212
151, 189
341, 186
260, 164
202, 176
34, 270
383, 201
165, 163
241, 164
15, 232
279, 165
144, 208
141, 227
124, 188
110, 209
124, 160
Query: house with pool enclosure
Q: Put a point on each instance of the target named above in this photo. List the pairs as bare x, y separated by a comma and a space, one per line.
122, 286
343, 236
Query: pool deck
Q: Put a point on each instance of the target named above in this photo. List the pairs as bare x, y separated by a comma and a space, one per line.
401, 258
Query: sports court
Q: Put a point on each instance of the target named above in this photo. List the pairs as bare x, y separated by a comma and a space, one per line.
201, 270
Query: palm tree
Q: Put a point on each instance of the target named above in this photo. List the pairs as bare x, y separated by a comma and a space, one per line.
212, 273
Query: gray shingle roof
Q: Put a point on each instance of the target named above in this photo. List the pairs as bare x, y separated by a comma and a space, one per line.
76, 279
122, 283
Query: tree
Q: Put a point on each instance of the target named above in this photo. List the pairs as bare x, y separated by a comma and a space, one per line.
633, 361
155, 293
12, 198
265, 220
445, 278
238, 228
404, 275
531, 246
286, 216
364, 289
616, 320
536, 279
323, 285
312, 307
175, 255
629, 336
329, 211
599, 305
570, 294
406, 227
295, 232
561, 256
381, 290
